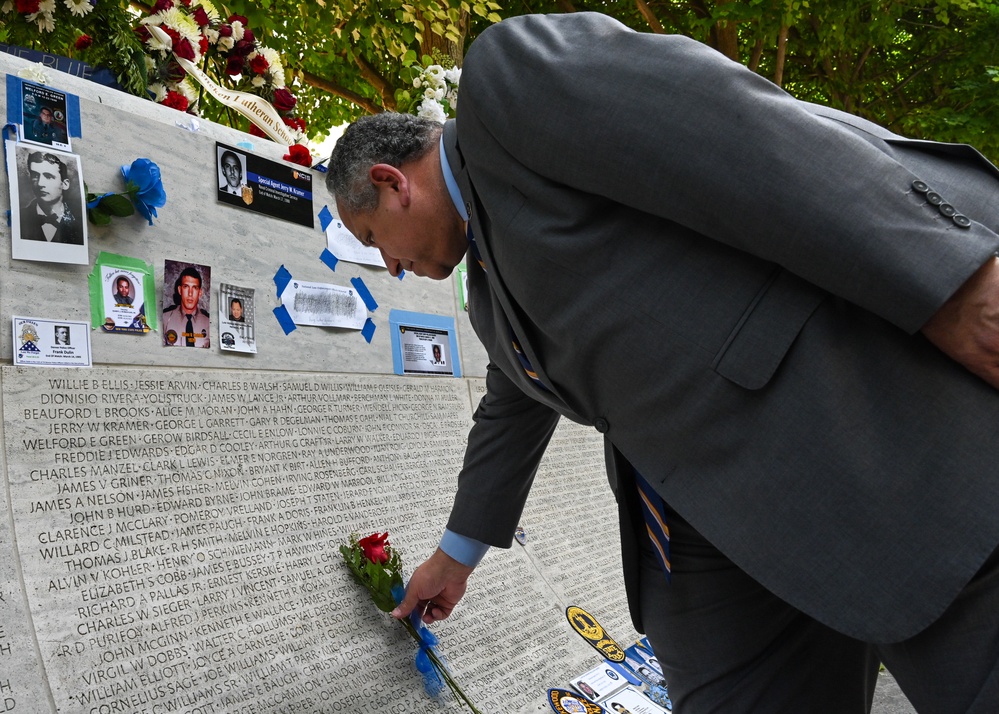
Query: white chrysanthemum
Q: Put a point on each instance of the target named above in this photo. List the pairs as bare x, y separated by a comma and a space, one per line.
429, 109
453, 75
150, 63
187, 88
159, 91
258, 81
7, 6
274, 65
212, 35
79, 7
184, 24
237, 30
226, 43
158, 45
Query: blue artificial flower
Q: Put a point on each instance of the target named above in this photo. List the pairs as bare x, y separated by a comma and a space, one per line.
149, 193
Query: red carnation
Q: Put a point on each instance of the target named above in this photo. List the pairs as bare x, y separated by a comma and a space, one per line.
184, 49
294, 123
143, 33
257, 131
203, 44
201, 17
234, 65
83, 42
284, 101
234, 18
225, 30
175, 100
374, 545
172, 33
259, 64
162, 5
27, 6
298, 154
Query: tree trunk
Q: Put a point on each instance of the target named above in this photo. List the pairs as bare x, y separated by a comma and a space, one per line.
781, 54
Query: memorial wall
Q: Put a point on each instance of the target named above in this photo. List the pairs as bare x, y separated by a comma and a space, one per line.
172, 517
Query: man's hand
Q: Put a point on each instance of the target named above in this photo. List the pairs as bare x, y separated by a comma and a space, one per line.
435, 588
966, 327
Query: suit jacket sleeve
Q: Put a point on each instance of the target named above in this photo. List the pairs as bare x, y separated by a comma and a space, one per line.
669, 126
505, 445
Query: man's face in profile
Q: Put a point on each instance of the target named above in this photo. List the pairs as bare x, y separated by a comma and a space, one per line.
45, 115
190, 293
232, 171
124, 287
47, 181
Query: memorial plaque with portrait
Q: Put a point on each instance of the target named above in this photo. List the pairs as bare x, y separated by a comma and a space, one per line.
124, 302
44, 116
264, 186
48, 219
236, 314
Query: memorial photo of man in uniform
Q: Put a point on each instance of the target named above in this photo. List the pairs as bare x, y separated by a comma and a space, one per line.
186, 322
123, 293
48, 218
44, 129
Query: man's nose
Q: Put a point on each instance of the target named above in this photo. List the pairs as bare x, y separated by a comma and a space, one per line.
393, 265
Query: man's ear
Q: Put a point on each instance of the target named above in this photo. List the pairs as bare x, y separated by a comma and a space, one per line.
386, 176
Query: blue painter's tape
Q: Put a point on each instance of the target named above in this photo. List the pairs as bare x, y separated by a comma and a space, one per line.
73, 115
401, 275
365, 294
329, 260
14, 115
325, 217
248, 145
281, 278
284, 319
368, 331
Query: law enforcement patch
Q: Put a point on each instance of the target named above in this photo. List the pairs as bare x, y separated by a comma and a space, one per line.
565, 702
590, 630
171, 337
228, 339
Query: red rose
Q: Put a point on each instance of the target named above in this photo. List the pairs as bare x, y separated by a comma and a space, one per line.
172, 33
201, 17
259, 64
175, 72
284, 101
234, 18
374, 545
185, 3
143, 33
162, 5
248, 35
225, 30
83, 42
257, 131
27, 6
243, 48
175, 100
234, 65
184, 49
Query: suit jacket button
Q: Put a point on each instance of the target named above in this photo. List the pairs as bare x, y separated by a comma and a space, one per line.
961, 221
947, 210
935, 198
920, 186
601, 425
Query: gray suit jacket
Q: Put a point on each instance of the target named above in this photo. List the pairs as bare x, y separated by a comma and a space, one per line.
728, 284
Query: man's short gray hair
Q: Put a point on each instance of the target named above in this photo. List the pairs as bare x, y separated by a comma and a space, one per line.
386, 138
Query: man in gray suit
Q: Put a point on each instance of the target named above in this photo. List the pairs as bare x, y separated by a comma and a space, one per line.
784, 318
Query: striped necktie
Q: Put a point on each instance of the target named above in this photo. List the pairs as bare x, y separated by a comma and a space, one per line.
652, 504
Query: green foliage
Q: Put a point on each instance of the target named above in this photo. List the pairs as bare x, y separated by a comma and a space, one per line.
377, 578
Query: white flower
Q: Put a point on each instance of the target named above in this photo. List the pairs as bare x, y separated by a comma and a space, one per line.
45, 23
226, 43
453, 75
159, 91
210, 10
47, 7
416, 82
258, 81
34, 73
434, 72
7, 6
184, 24
237, 31
187, 88
274, 64
429, 109
428, 93
212, 35
79, 7
452, 99
439, 93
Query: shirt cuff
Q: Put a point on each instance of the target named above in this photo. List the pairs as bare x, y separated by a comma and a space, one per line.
465, 550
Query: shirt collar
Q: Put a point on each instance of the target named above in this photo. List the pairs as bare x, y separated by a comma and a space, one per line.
452, 185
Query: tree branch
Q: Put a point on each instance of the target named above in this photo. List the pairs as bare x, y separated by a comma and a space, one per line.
650, 17
371, 76
335, 89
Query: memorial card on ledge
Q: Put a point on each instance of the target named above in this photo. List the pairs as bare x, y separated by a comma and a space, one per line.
631, 701
423, 344
51, 343
264, 186
44, 116
186, 298
48, 219
236, 319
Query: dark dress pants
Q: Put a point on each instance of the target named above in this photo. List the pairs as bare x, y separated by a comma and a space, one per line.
729, 646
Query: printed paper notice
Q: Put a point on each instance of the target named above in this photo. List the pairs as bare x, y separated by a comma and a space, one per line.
346, 247
324, 305
51, 343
